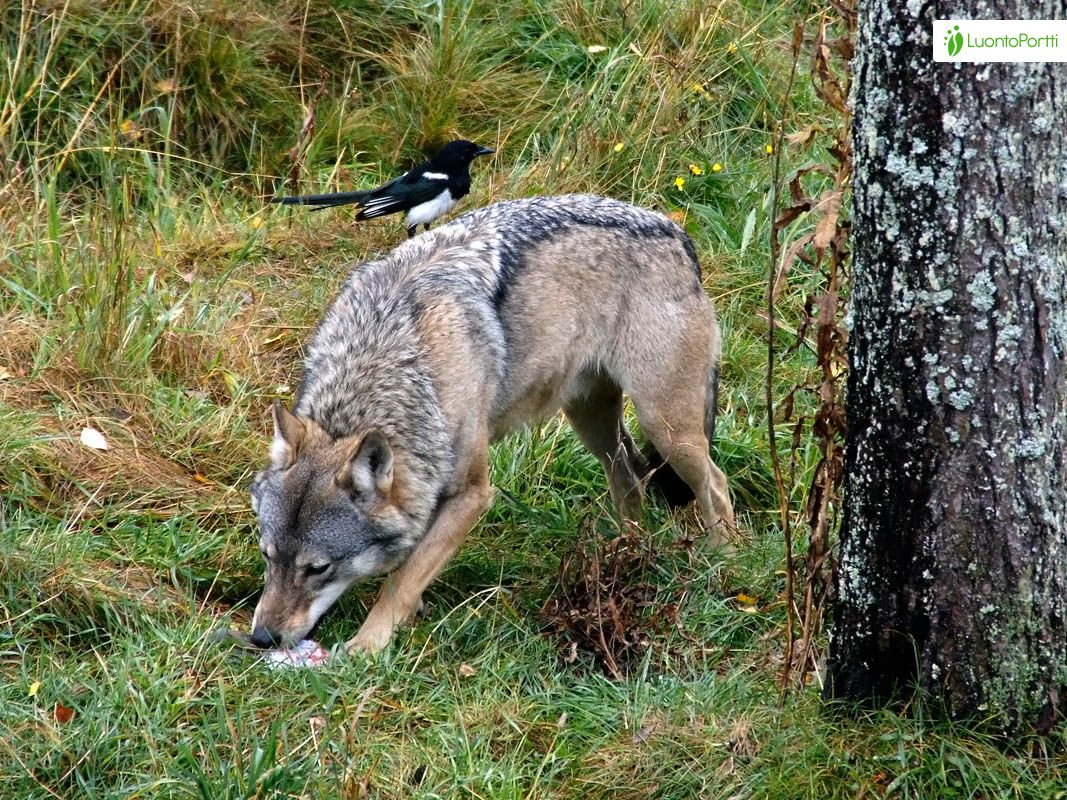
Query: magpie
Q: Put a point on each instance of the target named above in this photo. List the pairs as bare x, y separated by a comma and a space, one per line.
425, 192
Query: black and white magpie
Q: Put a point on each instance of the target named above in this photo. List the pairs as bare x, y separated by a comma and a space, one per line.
425, 192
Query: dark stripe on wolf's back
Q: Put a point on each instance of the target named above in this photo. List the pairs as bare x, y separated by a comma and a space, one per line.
549, 220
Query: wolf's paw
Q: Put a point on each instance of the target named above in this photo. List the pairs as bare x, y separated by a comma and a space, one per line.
369, 640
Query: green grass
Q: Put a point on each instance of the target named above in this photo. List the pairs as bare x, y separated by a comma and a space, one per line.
148, 290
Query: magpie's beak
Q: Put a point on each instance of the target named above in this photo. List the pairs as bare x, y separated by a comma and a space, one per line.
484, 151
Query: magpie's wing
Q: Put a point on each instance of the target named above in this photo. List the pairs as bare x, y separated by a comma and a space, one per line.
409, 190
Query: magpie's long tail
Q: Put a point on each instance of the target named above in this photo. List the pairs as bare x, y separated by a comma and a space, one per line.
324, 200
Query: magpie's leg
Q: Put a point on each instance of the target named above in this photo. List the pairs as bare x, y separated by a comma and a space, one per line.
412, 230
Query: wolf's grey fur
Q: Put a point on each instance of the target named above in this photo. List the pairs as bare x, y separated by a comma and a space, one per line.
506, 315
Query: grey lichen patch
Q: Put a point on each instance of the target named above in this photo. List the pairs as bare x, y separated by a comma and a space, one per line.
933, 391
910, 174
961, 400
1030, 448
937, 299
1008, 343
983, 292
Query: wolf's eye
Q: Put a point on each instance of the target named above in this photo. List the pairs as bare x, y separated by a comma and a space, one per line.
316, 569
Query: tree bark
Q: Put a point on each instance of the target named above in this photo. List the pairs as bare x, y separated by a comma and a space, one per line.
953, 567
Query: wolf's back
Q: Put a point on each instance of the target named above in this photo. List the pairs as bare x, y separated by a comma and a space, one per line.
535, 291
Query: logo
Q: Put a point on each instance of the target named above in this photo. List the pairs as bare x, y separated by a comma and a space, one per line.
954, 41
977, 41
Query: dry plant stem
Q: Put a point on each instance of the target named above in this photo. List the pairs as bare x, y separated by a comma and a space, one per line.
783, 498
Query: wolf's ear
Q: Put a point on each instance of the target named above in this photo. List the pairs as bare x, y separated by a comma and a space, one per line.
370, 469
288, 433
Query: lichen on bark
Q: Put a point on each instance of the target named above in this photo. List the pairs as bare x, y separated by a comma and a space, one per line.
953, 569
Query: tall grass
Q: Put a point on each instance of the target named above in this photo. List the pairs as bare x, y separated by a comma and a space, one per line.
147, 290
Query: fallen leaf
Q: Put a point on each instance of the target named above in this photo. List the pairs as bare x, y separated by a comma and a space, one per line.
644, 733
825, 227
63, 714
5, 375
802, 138
467, 671
593, 49
788, 257
34, 688
93, 439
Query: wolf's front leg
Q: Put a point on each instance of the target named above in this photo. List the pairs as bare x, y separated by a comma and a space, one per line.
402, 590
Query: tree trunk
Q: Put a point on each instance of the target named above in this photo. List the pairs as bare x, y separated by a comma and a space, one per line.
953, 568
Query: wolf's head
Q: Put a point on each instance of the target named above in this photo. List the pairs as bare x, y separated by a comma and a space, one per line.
330, 512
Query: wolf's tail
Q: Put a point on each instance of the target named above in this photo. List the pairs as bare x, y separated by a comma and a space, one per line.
661, 476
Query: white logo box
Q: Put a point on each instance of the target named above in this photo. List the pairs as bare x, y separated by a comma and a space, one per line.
1003, 40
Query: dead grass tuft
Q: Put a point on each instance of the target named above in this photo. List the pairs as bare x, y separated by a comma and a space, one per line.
608, 604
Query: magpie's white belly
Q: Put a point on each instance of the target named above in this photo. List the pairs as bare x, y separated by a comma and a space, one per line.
430, 210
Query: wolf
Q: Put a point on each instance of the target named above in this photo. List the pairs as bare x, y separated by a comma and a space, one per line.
458, 336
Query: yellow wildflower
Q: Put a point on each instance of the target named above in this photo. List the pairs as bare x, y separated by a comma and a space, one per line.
618, 148
34, 688
698, 88
130, 129
716, 167
695, 169
679, 182
732, 47
769, 148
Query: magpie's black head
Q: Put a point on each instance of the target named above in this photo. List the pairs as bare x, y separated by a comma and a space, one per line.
460, 153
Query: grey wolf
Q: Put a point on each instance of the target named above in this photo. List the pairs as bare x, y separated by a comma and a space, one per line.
426, 192
501, 317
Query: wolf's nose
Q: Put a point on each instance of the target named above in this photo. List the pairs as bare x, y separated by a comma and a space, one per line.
261, 637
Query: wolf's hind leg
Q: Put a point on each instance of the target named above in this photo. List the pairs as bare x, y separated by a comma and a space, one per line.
596, 418
673, 420
401, 592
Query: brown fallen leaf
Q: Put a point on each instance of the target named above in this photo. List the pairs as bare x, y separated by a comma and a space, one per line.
467, 671
804, 137
63, 714
830, 203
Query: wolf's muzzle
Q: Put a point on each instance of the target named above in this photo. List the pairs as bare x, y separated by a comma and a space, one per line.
262, 637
